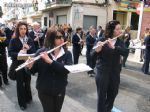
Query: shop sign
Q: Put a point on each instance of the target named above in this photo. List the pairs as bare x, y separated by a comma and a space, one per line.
21, 5
128, 6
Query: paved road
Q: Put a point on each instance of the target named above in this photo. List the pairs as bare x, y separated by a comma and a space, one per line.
134, 94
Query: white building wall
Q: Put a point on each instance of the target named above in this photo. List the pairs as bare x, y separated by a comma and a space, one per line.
80, 10
62, 11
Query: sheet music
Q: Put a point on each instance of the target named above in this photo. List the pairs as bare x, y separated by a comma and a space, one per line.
21, 54
138, 47
78, 68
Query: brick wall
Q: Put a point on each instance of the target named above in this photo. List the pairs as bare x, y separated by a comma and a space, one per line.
145, 21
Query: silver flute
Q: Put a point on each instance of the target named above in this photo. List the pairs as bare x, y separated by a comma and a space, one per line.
38, 57
107, 40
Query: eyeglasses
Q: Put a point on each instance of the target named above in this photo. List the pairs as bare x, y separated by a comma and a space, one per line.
59, 36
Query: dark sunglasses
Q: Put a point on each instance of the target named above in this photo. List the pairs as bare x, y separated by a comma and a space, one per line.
59, 36
111, 23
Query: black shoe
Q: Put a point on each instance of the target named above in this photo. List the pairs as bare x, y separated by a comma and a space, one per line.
123, 65
141, 60
29, 102
23, 107
6, 83
1, 88
91, 75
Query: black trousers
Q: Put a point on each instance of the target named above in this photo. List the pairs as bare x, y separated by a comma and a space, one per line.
145, 67
125, 58
76, 54
90, 61
23, 87
107, 90
51, 103
3, 68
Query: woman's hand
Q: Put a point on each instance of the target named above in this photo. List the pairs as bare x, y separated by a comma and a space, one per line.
45, 57
29, 66
36, 39
110, 44
26, 46
23, 51
100, 45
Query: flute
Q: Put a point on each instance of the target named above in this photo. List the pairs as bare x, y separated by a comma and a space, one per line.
107, 40
38, 57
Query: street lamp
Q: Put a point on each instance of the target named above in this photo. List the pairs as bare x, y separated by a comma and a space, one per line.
35, 5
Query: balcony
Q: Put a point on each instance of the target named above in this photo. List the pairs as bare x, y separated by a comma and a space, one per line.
56, 3
92, 2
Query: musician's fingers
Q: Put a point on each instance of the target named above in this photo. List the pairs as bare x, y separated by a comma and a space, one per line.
30, 60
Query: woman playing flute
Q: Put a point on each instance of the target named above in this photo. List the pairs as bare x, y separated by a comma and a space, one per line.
52, 76
20, 44
108, 66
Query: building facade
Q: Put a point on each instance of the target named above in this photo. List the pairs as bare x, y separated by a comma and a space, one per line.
75, 12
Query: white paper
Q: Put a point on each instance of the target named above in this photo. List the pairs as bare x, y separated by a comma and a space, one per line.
21, 54
138, 47
78, 68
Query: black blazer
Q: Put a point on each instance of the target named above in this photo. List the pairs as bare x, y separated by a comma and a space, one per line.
90, 41
147, 44
52, 78
109, 60
75, 40
3, 45
15, 46
41, 39
101, 34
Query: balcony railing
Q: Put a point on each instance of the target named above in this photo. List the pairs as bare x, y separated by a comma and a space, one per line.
102, 1
59, 2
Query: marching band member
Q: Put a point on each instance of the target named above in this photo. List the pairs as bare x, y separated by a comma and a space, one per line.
3, 58
127, 38
52, 76
77, 43
37, 35
108, 66
21, 44
90, 41
145, 67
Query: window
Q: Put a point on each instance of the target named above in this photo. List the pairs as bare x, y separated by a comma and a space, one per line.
134, 21
120, 16
89, 21
45, 21
62, 19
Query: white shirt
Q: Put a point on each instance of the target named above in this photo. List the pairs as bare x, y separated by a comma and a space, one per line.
79, 36
61, 53
98, 33
114, 41
23, 40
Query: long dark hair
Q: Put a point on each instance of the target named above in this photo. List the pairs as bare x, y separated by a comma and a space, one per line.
51, 34
109, 30
17, 34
